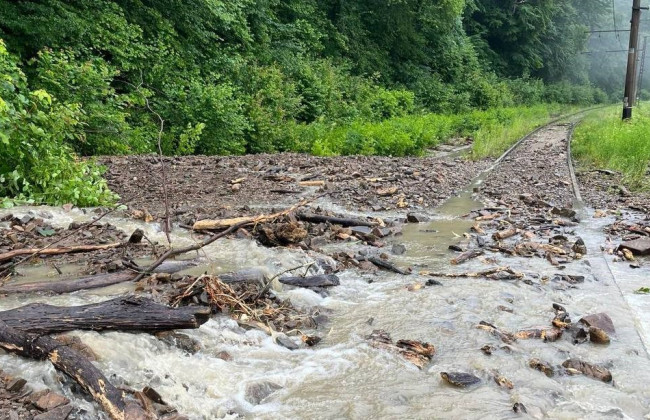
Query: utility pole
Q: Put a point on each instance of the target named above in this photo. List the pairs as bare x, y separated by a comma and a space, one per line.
642, 68
630, 77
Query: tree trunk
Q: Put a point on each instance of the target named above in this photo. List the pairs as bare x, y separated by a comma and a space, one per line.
68, 361
121, 314
318, 218
56, 251
67, 286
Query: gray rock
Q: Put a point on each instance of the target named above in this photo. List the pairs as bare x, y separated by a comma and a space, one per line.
285, 341
416, 218
600, 320
258, 391
59, 413
639, 246
398, 249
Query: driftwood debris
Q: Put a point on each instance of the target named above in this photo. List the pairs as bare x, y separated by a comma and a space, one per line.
68, 286
417, 352
386, 265
466, 256
491, 274
504, 234
319, 280
91, 282
342, 221
120, 314
56, 251
74, 365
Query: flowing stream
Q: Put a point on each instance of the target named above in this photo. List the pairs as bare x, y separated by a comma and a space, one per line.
343, 376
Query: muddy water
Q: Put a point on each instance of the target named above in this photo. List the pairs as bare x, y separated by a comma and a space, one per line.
343, 377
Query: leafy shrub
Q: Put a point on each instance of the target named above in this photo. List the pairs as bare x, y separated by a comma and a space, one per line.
604, 141
36, 164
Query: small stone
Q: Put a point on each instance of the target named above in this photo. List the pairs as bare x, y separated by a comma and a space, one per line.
543, 367
224, 355
598, 336
519, 408
639, 246
398, 249
284, 340
599, 320
235, 187
432, 282
59, 413
16, 385
588, 369
416, 218
257, 392
460, 379
579, 247
180, 340
47, 400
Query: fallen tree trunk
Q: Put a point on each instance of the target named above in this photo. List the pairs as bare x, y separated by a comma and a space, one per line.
471, 274
56, 251
121, 314
504, 234
467, 255
320, 280
68, 286
252, 275
345, 222
91, 282
387, 266
70, 362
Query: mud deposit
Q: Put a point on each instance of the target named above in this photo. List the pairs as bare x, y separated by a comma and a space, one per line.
440, 292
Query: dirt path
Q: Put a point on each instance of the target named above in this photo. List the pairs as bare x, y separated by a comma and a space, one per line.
537, 168
226, 186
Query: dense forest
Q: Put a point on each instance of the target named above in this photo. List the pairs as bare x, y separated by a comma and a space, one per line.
251, 76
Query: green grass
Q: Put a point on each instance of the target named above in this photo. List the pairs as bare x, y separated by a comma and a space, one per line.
496, 135
493, 132
604, 141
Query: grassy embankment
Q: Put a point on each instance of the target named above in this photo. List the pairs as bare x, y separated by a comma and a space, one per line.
604, 141
493, 131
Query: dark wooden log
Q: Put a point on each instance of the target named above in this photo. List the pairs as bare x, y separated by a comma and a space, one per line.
387, 266
346, 222
92, 282
68, 286
466, 256
247, 275
320, 280
56, 251
121, 314
504, 234
70, 362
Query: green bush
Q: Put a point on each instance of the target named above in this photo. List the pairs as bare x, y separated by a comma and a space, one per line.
604, 141
36, 164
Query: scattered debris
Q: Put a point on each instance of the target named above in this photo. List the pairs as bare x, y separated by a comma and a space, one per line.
417, 352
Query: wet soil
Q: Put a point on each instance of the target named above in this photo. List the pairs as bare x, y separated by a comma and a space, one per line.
210, 187
18, 401
604, 189
537, 169
34, 230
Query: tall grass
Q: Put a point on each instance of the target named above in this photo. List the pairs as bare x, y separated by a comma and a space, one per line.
604, 141
493, 132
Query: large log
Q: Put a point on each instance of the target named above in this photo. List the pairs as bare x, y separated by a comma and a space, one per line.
68, 286
70, 362
91, 282
56, 251
121, 314
346, 222
319, 280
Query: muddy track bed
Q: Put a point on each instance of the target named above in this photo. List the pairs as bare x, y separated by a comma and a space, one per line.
203, 187
496, 303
